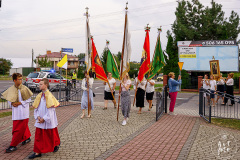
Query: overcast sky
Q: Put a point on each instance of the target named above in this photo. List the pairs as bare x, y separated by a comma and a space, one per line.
53, 24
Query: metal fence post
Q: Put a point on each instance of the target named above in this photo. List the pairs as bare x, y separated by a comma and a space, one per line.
165, 98
201, 90
210, 114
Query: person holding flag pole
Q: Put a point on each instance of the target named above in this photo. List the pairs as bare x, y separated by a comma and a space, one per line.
98, 69
112, 71
88, 60
144, 68
158, 62
124, 77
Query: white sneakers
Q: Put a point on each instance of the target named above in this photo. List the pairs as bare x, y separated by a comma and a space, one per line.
172, 113
124, 122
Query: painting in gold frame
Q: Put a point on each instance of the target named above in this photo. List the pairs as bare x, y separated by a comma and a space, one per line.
214, 68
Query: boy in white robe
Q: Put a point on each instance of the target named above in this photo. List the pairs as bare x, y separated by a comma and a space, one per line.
46, 135
19, 97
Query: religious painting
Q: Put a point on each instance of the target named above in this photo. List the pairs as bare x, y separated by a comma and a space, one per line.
214, 68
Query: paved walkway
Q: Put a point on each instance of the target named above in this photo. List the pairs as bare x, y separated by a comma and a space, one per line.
185, 136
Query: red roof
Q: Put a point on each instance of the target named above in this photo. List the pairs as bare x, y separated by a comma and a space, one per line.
55, 55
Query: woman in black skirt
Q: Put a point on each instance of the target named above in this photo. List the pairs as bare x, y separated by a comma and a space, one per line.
140, 94
220, 88
109, 93
229, 84
150, 92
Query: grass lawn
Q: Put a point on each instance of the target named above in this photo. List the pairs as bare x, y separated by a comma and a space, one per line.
9, 113
5, 114
229, 123
7, 77
2, 100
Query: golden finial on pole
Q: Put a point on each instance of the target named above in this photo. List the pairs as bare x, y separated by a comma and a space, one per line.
147, 28
87, 11
160, 29
107, 42
126, 6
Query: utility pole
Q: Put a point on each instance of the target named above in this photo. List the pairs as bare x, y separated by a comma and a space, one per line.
32, 55
0, 3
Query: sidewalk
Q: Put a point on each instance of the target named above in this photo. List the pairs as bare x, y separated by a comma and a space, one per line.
65, 116
185, 136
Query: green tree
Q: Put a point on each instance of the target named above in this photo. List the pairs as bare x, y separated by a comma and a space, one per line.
5, 65
134, 68
43, 62
80, 56
196, 22
104, 59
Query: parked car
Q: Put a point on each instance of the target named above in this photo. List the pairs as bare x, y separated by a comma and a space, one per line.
160, 78
33, 79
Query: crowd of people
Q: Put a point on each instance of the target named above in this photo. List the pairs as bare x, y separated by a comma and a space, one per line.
46, 135
219, 87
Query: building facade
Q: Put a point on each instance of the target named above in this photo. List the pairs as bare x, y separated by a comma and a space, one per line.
55, 57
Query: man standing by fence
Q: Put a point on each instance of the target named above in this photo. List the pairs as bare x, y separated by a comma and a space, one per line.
74, 78
19, 97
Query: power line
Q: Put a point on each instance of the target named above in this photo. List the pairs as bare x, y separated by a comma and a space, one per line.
77, 37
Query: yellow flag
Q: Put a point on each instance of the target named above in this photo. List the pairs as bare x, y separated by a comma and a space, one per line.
63, 62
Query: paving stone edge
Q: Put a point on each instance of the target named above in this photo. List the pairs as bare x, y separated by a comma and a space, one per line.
63, 126
188, 145
113, 149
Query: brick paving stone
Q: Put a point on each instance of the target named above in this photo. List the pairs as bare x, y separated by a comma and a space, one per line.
207, 135
63, 113
163, 128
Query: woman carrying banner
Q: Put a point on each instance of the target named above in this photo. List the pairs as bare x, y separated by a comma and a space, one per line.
213, 88
125, 98
173, 90
107, 90
206, 85
220, 88
87, 81
229, 84
150, 92
140, 93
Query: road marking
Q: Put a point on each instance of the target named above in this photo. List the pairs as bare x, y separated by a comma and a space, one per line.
99, 87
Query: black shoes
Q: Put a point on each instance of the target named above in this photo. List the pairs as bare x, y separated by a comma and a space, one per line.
56, 148
11, 149
34, 156
26, 141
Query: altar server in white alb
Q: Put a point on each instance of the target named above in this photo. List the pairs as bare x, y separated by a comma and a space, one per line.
19, 97
46, 134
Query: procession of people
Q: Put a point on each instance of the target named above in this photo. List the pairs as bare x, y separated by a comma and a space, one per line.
218, 87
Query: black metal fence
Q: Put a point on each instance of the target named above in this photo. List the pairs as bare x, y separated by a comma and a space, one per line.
218, 109
67, 95
161, 103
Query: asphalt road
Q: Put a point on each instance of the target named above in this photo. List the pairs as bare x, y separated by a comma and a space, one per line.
98, 89
5, 84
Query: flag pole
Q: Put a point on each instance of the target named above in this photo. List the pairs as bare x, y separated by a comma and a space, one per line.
112, 93
146, 28
87, 78
107, 43
66, 76
159, 31
122, 60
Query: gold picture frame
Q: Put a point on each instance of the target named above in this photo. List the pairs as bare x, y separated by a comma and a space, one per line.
214, 68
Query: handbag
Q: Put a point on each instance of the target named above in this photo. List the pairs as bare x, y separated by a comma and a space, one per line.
94, 94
